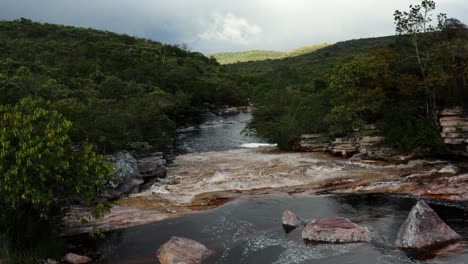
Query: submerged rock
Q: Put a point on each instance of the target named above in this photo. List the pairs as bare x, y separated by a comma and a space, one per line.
289, 219
76, 259
336, 230
424, 228
180, 250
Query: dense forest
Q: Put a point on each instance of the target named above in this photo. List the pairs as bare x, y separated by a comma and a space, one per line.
113, 88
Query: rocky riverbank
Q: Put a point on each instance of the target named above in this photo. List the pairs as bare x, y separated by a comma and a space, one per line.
202, 181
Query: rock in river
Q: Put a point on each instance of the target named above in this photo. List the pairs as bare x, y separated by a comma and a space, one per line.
180, 250
289, 219
424, 228
336, 230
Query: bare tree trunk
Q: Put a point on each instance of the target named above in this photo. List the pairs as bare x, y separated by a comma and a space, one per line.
421, 68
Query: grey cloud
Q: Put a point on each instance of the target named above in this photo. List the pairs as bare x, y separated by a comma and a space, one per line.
225, 25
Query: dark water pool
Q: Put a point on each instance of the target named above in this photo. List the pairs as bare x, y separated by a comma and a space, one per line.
218, 133
249, 230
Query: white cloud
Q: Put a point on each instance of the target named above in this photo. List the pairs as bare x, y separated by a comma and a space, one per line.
229, 27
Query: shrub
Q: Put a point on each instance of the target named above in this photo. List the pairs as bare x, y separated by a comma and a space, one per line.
40, 169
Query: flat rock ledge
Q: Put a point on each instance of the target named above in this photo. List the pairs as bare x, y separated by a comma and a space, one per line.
423, 229
336, 230
179, 250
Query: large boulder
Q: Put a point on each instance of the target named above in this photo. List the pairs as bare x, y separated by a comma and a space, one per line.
180, 250
336, 230
423, 228
76, 259
129, 177
290, 220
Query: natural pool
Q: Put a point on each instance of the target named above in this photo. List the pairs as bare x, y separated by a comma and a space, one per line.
249, 230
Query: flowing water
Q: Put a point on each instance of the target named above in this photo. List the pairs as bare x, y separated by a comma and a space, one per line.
217, 133
249, 230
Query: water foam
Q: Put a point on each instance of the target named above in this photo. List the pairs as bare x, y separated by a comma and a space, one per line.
257, 145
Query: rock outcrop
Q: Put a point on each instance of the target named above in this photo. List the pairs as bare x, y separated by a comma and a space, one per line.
290, 220
152, 169
336, 230
153, 166
314, 142
129, 177
423, 228
76, 259
454, 188
344, 146
454, 123
363, 144
180, 250
136, 175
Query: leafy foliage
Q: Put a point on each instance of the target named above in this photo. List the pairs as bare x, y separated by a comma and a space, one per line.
357, 91
40, 169
38, 163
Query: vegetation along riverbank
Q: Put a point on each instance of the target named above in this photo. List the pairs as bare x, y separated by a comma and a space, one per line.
89, 121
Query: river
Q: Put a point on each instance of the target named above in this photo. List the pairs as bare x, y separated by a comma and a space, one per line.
248, 229
217, 133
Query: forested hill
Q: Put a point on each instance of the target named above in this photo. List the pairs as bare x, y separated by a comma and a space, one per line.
114, 88
341, 88
262, 55
312, 64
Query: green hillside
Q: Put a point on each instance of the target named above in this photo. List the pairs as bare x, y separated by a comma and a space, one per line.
244, 56
313, 65
340, 88
262, 55
114, 88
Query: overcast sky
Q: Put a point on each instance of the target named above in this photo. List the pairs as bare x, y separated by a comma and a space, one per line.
228, 25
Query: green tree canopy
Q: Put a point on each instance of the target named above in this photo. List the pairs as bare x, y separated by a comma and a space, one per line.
39, 165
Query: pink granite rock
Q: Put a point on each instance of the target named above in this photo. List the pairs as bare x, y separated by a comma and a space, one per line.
182, 250
424, 228
289, 219
336, 230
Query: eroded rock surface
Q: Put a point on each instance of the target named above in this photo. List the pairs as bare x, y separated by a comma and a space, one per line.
336, 230
179, 250
201, 181
423, 228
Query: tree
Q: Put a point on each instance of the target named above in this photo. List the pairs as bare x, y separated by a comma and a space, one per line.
417, 22
357, 90
40, 168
